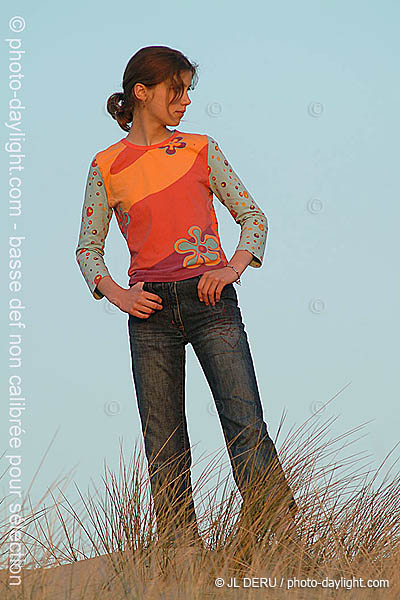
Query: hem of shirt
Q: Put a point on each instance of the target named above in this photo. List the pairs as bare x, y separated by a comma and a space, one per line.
160, 279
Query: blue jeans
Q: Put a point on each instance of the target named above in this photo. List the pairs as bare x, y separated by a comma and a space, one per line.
158, 355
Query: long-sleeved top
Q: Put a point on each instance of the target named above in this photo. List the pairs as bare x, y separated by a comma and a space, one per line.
162, 197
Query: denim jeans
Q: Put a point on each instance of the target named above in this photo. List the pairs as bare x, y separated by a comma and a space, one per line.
219, 340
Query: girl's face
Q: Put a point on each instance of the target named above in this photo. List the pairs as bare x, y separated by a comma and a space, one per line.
159, 103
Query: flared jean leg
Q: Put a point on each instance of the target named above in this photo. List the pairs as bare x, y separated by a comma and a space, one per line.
158, 367
221, 345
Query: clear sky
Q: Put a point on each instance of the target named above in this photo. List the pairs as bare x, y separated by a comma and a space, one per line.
303, 98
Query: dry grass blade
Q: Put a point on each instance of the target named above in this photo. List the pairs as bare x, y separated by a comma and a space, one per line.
109, 545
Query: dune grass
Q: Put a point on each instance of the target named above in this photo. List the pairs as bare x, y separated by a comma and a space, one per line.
344, 535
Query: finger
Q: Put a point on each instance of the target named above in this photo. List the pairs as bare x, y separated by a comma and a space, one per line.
138, 313
203, 290
208, 292
144, 312
218, 292
148, 307
153, 304
153, 298
211, 293
200, 291
145, 307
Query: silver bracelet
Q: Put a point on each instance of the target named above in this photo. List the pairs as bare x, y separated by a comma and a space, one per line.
238, 279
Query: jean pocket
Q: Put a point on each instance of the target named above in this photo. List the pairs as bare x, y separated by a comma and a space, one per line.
147, 286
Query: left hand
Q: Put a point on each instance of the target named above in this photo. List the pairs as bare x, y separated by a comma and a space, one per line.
213, 282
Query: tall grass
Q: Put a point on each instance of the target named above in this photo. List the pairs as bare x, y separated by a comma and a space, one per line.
108, 546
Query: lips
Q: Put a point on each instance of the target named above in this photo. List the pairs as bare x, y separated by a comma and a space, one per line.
180, 112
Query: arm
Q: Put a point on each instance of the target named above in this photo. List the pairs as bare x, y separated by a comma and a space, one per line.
232, 193
95, 222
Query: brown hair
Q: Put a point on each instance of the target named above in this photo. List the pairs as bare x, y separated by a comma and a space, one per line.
150, 65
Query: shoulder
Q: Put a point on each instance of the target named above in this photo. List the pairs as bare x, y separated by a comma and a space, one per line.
104, 159
111, 150
213, 146
201, 142
211, 139
202, 138
191, 138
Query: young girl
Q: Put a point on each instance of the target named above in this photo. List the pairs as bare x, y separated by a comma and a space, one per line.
159, 183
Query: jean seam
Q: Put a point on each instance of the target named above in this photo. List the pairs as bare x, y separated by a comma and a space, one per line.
182, 402
180, 325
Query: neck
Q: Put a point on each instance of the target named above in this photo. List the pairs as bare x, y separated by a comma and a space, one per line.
146, 134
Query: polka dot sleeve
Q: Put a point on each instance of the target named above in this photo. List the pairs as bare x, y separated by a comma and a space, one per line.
96, 217
231, 192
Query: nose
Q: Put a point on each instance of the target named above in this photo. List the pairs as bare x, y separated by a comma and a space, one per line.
186, 99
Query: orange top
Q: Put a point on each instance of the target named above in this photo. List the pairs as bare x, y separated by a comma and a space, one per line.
162, 197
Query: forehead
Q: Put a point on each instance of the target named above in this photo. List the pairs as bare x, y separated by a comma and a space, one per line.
186, 78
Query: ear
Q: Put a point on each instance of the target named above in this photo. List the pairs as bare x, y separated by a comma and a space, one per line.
139, 91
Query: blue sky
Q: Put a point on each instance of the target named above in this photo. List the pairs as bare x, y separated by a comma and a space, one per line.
303, 99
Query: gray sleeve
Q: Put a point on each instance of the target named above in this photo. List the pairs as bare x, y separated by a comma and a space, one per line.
233, 194
95, 222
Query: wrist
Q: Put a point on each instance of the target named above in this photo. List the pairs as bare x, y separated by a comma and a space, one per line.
116, 297
111, 290
237, 273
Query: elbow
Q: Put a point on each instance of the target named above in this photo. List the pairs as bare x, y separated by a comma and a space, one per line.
260, 219
264, 220
78, 251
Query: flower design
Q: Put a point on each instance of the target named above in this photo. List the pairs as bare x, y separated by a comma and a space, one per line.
123, 219
201, 250
174, 144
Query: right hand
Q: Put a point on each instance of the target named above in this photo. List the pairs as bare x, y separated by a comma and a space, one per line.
137, 302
